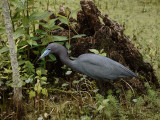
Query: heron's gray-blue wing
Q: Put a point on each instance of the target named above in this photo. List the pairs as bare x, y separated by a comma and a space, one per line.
100, 67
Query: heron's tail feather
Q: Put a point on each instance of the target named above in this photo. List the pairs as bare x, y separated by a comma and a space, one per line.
132, 74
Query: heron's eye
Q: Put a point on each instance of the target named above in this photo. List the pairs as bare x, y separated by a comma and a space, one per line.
49, 49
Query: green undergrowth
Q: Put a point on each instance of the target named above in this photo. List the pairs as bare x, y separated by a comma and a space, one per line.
88, 104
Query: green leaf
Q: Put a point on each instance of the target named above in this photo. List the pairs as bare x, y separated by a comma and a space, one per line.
52, 21
18, 33
53, 58
41, 32
94, 51
44, 91
43, 78
4, 49
35, 38
101, 51
75, 81
39, 16
134, 100
1, 82
29, 67
38, 72
23, 2
104, 54
40, 118
25, 22
77, 36
31, 42
56, 81
43, 71
18, 4
95, 90
100, 107
85, 117
54, 27
37, 88
63, 19
29, 80
64, 84
7, 70
32, 94
105, 101
68, 72
59, 38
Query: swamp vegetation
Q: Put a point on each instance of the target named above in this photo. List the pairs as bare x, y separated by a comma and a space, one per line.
60, 93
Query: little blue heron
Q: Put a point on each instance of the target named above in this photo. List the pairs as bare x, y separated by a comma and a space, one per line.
95, 66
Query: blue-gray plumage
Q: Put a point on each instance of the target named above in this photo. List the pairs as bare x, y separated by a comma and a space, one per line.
95, 66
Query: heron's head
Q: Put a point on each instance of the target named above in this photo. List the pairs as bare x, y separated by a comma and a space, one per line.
54, 48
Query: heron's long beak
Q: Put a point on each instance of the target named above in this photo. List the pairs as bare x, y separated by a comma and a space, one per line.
46, 52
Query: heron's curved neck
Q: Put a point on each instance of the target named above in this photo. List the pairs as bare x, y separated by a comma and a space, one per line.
65, 59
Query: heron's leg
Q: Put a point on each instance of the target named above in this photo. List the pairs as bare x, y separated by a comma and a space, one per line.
100, 86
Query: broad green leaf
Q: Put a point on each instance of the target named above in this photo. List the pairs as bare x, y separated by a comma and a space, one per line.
23, 2
39, 16
18, 33
77, 36
100, 107
29, 80
46, 41
54, 27
7, 70
95, 90
52, 21
38, 72
59, 38
104, 54
31, 42
40, 118
20, 62
118, 91
63, 19
85, 117
4, 49
75, 11
1, 82
75, 81
94, 51
18, 4
44, 91
56, 81
35, 38
134, 100
105, 101
38, 88
25, 22
101, 51
43, 71
29, 67
41, 32
32, 94
68, 72
43, 78
64, 84
52, 57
